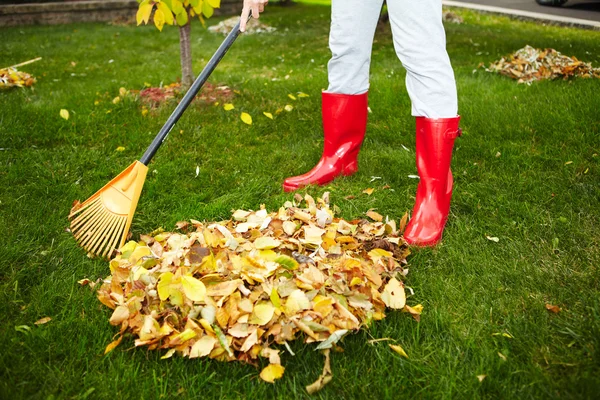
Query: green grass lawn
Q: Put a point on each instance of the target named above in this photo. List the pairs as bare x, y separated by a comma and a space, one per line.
527, 171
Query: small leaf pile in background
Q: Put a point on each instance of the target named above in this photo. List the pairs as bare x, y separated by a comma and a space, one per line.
530, 64
11, 77
232, 290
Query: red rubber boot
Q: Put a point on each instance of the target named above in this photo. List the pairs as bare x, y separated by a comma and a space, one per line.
435, 140
344, 126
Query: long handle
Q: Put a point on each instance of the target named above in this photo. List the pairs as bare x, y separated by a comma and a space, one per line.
191, 93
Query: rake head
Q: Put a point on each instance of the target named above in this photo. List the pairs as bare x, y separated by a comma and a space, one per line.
101, 223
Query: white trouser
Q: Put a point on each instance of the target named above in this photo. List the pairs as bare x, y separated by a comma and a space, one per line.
419, 41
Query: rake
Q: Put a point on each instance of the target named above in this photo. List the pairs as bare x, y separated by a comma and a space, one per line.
101, 223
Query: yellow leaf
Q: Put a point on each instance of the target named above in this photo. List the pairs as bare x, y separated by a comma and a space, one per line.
288, 107
356, 281
193, 288
159, 19
64, 114
203, 347
300, 94
375, 216
144, 112
246, 118
262, 314
368, 191
164, 285
207, 10
398, 349
393, 294
296, 301
266, 242
120, 148
162, 6
268, 114
272, 372
111, 346
275, 299
214, 3
228, 107
120, 314
291, 96
481, 377
143, 13
43, 321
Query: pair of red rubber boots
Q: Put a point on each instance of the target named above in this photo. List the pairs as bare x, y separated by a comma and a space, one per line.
344, 125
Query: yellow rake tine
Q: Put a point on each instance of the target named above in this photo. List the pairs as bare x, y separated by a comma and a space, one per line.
90, 225
89, 210
117, 235
96, 231
108, 233
83, 207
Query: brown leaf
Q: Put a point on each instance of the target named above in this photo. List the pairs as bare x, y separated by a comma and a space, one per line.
325, 377
42, 321
552, 308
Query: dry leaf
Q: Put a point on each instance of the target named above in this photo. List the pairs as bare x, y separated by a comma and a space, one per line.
325, 377
398, 349
111, 346
246, 118
393, 294
64, 114
552, 308
268, 115
42, 321
272, 372
368, 191
481, 377
228, 107
375, 216
288, 108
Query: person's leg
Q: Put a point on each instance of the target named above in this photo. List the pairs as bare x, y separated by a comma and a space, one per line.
420, 42
344, 104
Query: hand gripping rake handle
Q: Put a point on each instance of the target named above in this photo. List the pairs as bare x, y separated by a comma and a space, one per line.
191, 93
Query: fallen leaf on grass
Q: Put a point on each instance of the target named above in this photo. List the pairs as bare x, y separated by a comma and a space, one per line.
272, 372
552, 308
502, 356
368, 191
64, 114
375, 216
268, 115
492, 239
481, 377
291, 96
246, 118
120, 148
228, 107
300, 94
288, 108
325, 377
398, 349
42, 321
393, 294
112, 345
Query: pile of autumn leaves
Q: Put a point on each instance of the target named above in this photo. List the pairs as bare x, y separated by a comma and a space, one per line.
11, 77
530, 64
243, 288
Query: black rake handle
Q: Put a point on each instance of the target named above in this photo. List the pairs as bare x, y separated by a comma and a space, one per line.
191, 93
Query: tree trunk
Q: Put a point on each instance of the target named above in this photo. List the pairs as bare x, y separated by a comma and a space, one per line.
185, 50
